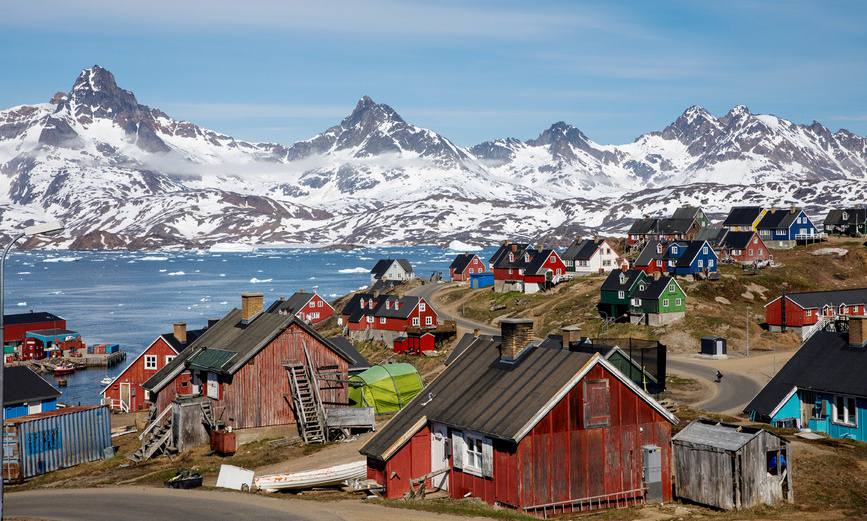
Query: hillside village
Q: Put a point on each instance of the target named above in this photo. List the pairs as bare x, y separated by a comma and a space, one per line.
625, 373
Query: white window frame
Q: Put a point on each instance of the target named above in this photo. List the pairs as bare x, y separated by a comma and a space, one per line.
849, 421
621, 294
421, 306
710, 263
150, 362
658, 263
704, 250
320, 304
169, 358
474, 454
370, 319
671, 288
673, 250
415, 321
665, 302
678, 302
382, 320
700, 263
428, 320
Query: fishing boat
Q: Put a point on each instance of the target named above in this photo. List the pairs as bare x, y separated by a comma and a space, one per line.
327, 477
106, 380
64, 369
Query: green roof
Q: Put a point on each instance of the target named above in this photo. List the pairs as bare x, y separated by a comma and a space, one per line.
211, 360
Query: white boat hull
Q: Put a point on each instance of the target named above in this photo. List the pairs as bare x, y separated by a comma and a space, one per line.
329, 476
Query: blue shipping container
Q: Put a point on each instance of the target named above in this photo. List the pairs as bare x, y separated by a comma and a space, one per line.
481, 280
42, 443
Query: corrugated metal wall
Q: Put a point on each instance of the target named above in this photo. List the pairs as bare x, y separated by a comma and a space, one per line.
39, 444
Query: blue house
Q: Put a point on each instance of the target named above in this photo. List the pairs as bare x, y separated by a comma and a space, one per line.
784, 228
691, 258
25, 392
822, 387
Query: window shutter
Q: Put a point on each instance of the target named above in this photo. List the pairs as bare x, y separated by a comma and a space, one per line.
458, 450
487, 459
596, 403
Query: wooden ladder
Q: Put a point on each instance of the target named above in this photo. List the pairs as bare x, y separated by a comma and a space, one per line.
305, 397
157, 437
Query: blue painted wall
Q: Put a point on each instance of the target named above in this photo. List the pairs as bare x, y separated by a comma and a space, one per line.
792, 409
14, 411
706, 255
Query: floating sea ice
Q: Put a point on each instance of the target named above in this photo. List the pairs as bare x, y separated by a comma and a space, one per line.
163, 271
197, 271
312, 278
24, 273
153, 258
58, 292
60, 259
222, 274
176, 273
353, 270
224, 302
22, 303
254, 280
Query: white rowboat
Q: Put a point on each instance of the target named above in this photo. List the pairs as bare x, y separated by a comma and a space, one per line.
329, 476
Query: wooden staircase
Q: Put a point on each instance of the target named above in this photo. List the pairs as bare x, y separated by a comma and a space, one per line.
306, 399
209, 418
156, 438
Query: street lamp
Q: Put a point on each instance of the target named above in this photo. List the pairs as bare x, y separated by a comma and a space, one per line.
45, 229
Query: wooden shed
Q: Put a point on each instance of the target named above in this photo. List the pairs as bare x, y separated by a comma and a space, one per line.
731, 466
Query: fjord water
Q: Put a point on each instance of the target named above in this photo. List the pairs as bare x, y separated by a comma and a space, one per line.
130, 298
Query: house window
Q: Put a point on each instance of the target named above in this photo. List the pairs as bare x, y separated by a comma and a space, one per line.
751, 252
320, 304
422, 306
382, 320
658, 263
169, 359
665, 302
621, 294
151, 362
700, 263
710, 263
678, 302
636, 302
471, 271
558, 272
845, 411
596, 403
312, 304
704, 250
510, 271
674, 249
415, 321
370, 320
671, 288
809, 313
641, 287
428, 321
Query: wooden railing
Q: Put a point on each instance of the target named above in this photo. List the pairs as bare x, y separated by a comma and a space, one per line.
154, 424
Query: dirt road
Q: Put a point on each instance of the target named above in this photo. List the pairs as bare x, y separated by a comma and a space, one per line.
150, 504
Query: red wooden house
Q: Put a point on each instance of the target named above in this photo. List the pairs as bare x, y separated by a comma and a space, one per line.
125, 392
415, 343
520, 267
309, 307
465, 265
238, 365
386, 317
541, 429
806, 308
743, 247
16, 326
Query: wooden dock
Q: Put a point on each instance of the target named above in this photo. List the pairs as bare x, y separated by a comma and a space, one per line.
84, 361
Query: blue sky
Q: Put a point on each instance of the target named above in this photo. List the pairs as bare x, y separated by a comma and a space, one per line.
282, 71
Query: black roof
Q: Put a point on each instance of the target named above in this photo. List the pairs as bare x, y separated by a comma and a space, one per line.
847, 216
654, 288
463, 344
21, 384
612, 282
711, 234
825, 362
737, 240
643, 226
649, 254
742, 215
462, 261
686, 212
675, 226
582, 249
504, 249
192, 335
692, 249
382, 266
833, 298
30, 318
292, 305
359, 362
778, 219
241, 340
383, 306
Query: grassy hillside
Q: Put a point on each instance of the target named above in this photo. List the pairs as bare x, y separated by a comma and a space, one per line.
723, 307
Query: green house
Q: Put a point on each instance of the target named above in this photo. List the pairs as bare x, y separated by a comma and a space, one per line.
617, 291
658, 301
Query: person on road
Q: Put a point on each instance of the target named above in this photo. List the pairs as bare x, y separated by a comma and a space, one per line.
719, 376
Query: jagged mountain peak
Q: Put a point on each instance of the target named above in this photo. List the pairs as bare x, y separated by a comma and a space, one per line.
367, 112
560, 133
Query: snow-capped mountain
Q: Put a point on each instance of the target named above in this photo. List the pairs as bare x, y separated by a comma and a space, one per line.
122, 174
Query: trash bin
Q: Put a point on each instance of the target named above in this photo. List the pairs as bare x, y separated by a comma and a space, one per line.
223, 442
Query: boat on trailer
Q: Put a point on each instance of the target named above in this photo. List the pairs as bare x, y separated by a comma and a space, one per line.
327, 477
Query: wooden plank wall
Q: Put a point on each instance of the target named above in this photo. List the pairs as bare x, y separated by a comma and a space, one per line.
259, 394
704, 476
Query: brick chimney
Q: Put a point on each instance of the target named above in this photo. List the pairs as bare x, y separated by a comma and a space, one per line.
571, 335
516, 334
857, 331
251, 305
179, 331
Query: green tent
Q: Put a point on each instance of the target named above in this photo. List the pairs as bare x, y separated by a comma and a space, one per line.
386, 388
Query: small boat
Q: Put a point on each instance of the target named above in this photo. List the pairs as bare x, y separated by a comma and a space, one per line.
327, 477
61, 382
185, 479
106, 380
62, 370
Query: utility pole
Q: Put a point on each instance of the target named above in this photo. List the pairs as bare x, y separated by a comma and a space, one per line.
748, 331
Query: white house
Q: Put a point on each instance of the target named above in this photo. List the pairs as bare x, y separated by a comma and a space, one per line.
588, 256
391, 270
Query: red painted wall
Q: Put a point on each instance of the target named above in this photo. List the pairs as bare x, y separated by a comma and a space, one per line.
259, 394
135, 374
477, 266
16, 332
396, 324
760, 251
560, 460
316, 305
411, 461
795, 315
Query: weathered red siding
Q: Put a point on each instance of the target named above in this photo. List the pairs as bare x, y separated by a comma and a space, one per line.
135, 374
16, 332
259, 394
316, 305
396, 324
561, 460
411, 461
476, 265
758, 248
795, 315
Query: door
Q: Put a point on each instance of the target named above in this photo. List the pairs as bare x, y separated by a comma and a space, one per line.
439, 455
125, 396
